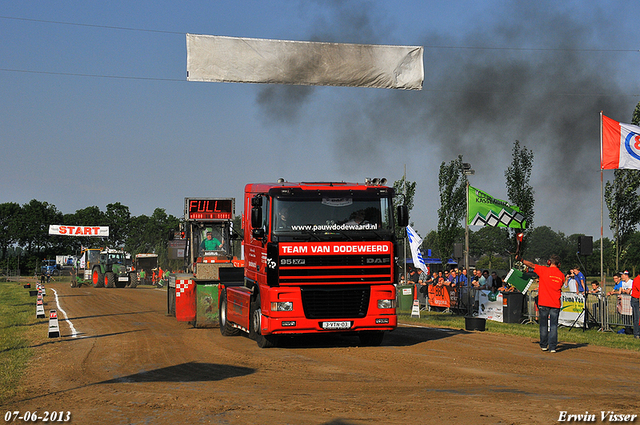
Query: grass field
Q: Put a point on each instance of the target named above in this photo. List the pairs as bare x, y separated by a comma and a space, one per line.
17, 334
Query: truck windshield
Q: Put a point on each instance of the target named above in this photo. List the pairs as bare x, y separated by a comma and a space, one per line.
116, 258
341, 217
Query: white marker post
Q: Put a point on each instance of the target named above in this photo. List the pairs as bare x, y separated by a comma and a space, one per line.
415, 310
54, 329
40, 309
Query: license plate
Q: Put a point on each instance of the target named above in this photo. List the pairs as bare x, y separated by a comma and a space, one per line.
336, 325
123, 279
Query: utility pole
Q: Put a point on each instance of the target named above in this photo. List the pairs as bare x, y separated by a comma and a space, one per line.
467, 171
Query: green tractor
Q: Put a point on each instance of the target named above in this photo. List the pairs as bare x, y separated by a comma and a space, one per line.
114, 270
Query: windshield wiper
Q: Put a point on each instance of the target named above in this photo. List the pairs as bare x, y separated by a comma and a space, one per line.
313, 235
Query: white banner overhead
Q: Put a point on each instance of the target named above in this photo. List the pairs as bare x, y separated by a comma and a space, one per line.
251, 60
99, 231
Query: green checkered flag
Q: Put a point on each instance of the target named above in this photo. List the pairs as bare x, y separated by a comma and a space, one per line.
485, 210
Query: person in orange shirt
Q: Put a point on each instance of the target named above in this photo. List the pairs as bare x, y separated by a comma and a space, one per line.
635, 306
549, 293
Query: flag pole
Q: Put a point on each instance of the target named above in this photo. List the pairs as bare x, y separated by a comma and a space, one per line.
603, 301
404, 197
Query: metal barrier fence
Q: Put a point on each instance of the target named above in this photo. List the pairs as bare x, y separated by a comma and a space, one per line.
10, 274
602, 311
613, 310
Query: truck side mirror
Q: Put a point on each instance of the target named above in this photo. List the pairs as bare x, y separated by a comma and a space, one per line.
403, 216
256, 217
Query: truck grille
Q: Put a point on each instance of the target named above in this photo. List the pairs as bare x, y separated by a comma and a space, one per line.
335, 301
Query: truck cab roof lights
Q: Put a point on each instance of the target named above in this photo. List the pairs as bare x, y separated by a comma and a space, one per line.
375, 181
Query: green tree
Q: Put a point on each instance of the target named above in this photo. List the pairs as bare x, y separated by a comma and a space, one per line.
453, 206
492, 263
519, 191
117, 217
34, 225
9, 217
405, 191
431, 242
151, 234
491, 243
88, 216
543, 242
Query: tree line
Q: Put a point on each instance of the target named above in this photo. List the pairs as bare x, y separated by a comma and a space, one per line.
25, 239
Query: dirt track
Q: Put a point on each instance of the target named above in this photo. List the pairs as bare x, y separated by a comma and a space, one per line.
132, 364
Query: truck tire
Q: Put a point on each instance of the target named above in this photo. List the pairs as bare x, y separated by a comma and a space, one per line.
225, 327
133, 280
371, 338
263, 341
97, 278
109, 280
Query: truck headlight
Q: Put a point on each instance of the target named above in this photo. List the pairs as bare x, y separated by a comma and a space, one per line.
282, 306
386, 303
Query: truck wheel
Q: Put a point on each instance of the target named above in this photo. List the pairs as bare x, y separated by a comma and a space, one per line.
133, 280
97, 278
110, 280
225, 327
264, 341
371, 338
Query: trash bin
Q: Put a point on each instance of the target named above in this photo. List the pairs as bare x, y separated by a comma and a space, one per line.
472, 323
512, 307
405, 296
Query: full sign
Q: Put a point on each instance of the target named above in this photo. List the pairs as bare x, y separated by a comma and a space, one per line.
209, 209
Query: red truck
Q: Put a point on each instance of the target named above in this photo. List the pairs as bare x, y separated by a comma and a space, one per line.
318, 258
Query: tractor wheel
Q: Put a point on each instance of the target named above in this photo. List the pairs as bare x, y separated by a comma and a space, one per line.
109, 280
225, 328
133, 280
264, 341
97, 278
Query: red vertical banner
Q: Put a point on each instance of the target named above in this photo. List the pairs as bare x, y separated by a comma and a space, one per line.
185, 300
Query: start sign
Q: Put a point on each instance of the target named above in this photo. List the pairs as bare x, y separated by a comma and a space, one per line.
99, 231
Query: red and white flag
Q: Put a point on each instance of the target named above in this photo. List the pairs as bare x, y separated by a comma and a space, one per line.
620, 145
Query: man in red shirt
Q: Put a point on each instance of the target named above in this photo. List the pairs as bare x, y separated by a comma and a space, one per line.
635, 306
549, 291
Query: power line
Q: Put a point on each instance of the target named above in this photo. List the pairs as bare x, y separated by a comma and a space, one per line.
124, 77
72, 74
534, 49
542, 49
44, 21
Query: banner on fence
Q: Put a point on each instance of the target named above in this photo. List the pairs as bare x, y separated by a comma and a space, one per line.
487, 309
571, 313
439, 296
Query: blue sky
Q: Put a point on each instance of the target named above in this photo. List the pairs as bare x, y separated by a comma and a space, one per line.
96, 108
